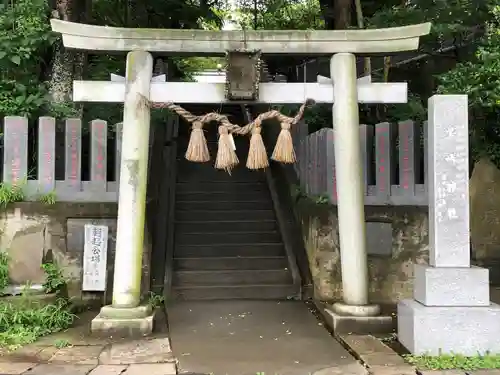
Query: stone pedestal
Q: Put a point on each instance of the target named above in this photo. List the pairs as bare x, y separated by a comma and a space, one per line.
466, 330
124, 322
451, 310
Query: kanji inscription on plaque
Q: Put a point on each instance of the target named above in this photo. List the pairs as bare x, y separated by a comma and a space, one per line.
243, 75
94, 257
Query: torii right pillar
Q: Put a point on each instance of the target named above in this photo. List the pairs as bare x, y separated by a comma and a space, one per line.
451, 311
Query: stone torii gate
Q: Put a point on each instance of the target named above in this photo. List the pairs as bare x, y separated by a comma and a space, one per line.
343, 90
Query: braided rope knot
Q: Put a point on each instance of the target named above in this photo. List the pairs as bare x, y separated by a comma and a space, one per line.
287, 125
197, 125
256, 130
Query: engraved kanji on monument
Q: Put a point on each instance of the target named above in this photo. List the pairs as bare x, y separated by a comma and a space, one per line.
449, 242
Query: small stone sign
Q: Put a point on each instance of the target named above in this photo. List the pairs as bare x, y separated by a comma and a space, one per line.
94, 257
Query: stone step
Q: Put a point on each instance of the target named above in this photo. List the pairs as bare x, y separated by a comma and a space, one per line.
231, 277
239, 226
228, 238
185, 167
219, 176
219, 187
224, 205
273, 292
231, 263
241, 195
186, 216
229, 250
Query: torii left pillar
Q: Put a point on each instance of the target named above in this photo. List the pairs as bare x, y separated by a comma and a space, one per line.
125, 315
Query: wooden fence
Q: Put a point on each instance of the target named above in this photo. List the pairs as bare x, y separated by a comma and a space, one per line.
393, 157
60, 150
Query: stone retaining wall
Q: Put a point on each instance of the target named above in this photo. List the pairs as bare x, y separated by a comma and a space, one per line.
397, 239
33, 232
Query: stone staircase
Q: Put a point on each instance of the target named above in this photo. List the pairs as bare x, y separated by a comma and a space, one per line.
227, 242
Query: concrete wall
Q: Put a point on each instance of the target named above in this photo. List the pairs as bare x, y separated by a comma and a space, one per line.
32, 232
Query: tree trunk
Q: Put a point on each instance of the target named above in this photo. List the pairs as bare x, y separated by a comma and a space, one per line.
66, 65
361, 25
342, 14
61, 76
337, 16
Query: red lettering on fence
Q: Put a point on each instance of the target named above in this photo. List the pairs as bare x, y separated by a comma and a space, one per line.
16, 159
73, 176
405, 178
48, 156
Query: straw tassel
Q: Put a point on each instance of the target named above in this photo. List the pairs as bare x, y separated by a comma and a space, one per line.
226, 157
283, 150
197, 150
257, 154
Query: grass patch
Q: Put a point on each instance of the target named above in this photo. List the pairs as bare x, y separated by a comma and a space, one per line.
4, 271
26, 320
155, 300
454, 361
61, 343
10, 193
54, 278
49, 198
24, 323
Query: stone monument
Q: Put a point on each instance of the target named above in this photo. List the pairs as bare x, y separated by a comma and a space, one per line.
451, 311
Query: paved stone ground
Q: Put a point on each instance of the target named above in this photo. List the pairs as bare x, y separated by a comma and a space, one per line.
91, 355
255, 337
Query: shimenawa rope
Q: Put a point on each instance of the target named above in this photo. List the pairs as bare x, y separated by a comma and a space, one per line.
226, 159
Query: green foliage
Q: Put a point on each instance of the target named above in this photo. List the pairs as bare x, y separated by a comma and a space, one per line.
62, 343
448, 17
172, 14
25, 322
4, 271
54, 278
412, 110
452, 21
24, 36
280, 15
480, 80
455, 361
155, 300
26, 45
10, 193
297, 194
191, 65
48, 198
316, 117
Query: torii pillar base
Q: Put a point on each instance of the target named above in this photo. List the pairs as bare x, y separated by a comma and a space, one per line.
124, 322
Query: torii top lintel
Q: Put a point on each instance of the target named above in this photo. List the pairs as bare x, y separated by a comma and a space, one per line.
204, 42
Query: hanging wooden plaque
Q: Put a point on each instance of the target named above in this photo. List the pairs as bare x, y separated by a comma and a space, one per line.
243, 75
